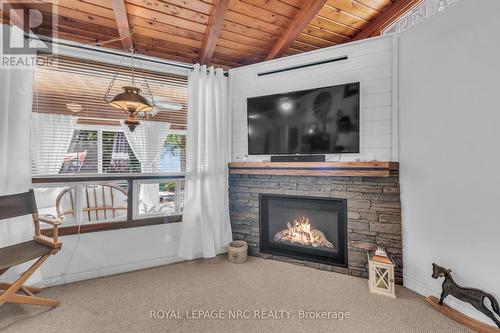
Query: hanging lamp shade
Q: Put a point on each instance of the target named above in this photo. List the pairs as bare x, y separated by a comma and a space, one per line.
131, 101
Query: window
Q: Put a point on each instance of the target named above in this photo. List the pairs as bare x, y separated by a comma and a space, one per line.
173, 154
169, 201
86, 166
83, 149
99, 151
91, 202
68, 105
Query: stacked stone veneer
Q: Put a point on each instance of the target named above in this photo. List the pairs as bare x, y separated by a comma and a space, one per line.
373, 213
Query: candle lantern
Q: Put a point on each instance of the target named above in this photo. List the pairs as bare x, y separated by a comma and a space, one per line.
381, 273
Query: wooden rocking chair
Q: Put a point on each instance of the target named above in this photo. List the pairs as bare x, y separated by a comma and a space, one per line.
41, 248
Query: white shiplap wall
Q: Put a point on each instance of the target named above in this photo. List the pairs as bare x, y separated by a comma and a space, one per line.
371, 62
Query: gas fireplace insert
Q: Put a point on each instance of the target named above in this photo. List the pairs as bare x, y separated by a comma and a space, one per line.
307, 228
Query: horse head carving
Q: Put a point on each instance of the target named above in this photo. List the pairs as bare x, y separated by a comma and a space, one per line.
439, 271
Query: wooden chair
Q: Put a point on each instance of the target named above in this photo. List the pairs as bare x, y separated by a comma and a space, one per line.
106, 201
40, 248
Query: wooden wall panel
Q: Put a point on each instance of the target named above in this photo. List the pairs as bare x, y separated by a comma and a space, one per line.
313, 41
247, 40
245, 30
156, 16
275, 6
175, 29
254, 23
259, 13
171, 10
333, 27
200, 6
295, 3
342, 17
138, 21
98, 8
355, 8
326, 35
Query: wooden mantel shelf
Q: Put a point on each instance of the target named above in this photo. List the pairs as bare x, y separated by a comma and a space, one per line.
344, 169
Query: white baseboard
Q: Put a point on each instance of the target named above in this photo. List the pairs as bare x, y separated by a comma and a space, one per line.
48, 281
63, 278
427, 290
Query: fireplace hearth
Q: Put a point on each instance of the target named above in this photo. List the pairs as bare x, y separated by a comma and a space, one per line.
302, 227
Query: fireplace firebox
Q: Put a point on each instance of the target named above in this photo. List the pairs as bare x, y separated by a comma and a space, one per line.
307, 228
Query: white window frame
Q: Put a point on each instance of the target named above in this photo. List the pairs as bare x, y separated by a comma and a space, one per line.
169, 177
138, 182
108, 128
99, 129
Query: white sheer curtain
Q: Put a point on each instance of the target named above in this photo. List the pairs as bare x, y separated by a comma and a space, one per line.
206, 229
147, 141
16, 91
51, 136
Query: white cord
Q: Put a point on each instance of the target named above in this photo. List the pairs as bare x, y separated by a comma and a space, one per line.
63, 273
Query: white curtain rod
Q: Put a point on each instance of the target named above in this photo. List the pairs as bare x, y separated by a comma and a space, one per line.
110, 51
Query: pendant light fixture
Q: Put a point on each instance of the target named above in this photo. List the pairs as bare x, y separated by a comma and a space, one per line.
130, 100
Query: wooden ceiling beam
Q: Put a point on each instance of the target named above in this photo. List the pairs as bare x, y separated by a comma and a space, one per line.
298, 24
122, 24
15, 14
214, 27
388, 16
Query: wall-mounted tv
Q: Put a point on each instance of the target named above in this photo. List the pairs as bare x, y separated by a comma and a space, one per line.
315, 121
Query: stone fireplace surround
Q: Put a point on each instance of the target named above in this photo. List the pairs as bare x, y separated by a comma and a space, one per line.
373, 210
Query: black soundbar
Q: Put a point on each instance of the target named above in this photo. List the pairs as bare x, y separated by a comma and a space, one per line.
298, 158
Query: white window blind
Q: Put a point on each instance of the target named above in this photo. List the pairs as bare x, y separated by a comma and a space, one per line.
74, 131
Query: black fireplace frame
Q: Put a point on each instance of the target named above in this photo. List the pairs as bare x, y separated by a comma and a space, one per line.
314, 255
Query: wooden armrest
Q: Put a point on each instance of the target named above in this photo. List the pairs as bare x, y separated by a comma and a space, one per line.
48, 241
49, 220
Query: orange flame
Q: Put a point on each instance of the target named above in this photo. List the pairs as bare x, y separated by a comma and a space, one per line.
302, 233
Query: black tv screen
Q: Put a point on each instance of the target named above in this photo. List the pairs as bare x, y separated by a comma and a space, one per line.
315, 121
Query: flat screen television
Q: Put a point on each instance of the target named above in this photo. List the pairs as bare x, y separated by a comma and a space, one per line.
315, 121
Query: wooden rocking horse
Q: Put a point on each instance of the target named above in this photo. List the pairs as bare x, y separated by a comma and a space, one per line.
475, 297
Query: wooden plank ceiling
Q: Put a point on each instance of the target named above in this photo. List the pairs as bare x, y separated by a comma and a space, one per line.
224, 33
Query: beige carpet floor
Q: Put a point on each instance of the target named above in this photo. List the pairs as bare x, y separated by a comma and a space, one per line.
123, 303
